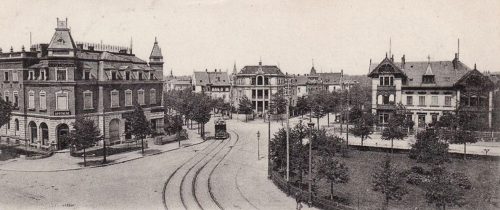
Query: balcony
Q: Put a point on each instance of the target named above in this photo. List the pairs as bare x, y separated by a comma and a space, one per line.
386, 88
386, 106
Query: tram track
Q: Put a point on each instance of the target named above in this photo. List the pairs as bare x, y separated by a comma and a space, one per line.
167, 182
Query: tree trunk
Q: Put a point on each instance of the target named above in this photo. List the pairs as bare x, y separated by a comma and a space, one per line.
84, 158
179, 138
331, 190
362, 140
104, 151
142, 145
317, 119
392, 146
465, 150
328, 120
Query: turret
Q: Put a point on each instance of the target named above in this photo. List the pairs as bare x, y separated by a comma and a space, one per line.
62, 44
156, 58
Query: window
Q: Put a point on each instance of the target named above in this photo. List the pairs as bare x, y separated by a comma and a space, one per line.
151, 76
6, 96
434, 100
128, 98
86, 75
113, 75
61, 74
16, 98
62, 101
421, 100
31, 99
383, 118
43, 100
385, 99
140, 75
447, 101
17, 124
31, 75
15, 76
391, 81
140, 97
115, 98
152, 96
127, 75
87, 100
6, 76
43, 74
409, 100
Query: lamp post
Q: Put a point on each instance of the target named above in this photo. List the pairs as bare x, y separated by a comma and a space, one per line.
268, 145
258, 145
287, 133
311, 127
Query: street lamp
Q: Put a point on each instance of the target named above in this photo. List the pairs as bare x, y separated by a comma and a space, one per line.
311, 127
268, 145
258, 145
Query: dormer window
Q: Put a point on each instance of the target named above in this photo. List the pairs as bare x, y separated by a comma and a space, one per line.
43, 74
428, 79
61, 74
31, 75
113, 75
140, 75
86, 75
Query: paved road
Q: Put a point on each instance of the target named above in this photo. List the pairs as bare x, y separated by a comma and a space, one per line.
211, 175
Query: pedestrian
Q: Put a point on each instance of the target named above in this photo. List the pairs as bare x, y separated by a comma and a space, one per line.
297, 199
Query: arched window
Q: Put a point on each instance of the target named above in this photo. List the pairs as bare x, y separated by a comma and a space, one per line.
260, 80
391, 98
379, 99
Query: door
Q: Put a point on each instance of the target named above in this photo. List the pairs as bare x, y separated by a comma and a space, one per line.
62, 131
114, 130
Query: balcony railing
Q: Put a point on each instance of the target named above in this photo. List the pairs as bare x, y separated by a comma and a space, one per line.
383, 87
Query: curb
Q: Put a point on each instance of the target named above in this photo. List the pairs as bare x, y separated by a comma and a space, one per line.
103, 165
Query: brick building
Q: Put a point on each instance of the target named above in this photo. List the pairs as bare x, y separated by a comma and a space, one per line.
51, 84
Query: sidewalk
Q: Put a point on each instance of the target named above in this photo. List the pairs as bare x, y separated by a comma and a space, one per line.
66, 162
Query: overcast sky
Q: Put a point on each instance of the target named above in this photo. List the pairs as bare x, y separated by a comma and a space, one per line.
195, 34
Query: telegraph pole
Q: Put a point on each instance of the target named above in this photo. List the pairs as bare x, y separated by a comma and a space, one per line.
287, 130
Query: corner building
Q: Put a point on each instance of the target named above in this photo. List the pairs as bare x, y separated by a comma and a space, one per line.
51, 84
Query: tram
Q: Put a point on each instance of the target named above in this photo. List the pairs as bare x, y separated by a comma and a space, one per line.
220, 129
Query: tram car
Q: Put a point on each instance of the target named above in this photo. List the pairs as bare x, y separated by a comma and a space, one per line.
220, 129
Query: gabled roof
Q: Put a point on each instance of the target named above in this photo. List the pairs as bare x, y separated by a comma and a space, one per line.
386, 66
265, 70
108, 56
445, 74
203, 78
330, 78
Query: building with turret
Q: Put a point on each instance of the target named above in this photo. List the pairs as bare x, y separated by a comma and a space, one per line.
51, 84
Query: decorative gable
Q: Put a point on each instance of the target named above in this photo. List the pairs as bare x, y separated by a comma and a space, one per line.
387, 67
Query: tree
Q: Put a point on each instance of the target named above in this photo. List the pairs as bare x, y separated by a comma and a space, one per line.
331, 102
317, 103
173, 125
85, 134
429, 149
389, 181
462, 125
140, 127
5, 112
245, 107
397, 125
445, 189
201, 111
363, 126
278, 104
302, 105
334, 171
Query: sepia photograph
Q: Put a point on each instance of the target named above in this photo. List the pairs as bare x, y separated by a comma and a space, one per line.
249, 105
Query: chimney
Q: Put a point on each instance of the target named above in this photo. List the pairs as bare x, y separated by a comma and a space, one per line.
392, 57
455, 61
403, 61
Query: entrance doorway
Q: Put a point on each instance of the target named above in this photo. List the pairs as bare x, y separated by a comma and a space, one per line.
62, 131
33, 132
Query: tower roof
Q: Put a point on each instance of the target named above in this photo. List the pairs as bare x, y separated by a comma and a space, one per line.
156, 52
62, 37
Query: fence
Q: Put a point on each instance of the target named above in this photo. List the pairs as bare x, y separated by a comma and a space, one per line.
316, 200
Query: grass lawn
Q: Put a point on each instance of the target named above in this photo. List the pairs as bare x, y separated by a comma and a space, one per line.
362, 164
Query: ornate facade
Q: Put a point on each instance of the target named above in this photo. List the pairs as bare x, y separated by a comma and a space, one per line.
51, 84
